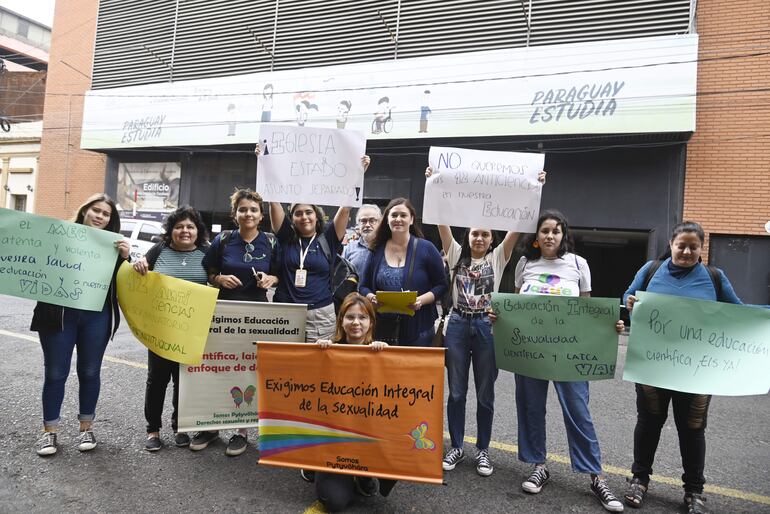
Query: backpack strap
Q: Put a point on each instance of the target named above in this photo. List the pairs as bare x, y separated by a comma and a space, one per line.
223, 238
716, 279
327, 251
650, 272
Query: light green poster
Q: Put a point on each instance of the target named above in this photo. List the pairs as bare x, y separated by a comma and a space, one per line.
556, 337
698, 346
55, 261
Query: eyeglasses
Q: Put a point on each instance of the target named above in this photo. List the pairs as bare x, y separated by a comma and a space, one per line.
247, 257
368, 221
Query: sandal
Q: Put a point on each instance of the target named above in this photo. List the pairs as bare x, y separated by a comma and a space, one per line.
635, 493
696, 503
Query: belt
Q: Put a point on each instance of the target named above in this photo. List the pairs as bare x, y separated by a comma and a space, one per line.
469, 314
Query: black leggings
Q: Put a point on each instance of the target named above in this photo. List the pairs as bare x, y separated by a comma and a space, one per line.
159, 372
690, 413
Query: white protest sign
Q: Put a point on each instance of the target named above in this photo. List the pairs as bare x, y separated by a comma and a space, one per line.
220, 392
475, 188
311, 165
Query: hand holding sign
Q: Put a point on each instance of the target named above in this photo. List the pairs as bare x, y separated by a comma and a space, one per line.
498, 190
311, 165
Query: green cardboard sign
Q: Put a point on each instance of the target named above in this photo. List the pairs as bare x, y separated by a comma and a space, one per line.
698, 346
556, 337
55, 261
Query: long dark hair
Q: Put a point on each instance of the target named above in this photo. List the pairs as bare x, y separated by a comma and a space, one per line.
465, 250
383, 230
319, 218
113, 225
532, 252
185, 213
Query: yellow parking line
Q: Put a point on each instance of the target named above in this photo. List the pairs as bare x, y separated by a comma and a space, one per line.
615, 470
317, 507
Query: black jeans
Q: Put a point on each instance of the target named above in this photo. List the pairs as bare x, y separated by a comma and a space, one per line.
690, 413
159, 371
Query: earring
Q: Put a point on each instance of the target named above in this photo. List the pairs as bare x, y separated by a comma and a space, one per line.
535, 244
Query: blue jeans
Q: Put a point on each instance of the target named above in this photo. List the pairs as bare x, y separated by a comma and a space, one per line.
88, 331
531, 393
423, 339
469, 340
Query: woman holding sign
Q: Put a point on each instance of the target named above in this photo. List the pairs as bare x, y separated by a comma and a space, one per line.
402, 260
310, 251
355, 325
680, 274
476, 272
243, 263
179, 255
61, 329
549, 268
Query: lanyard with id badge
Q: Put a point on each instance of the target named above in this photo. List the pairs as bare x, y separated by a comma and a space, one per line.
300, 276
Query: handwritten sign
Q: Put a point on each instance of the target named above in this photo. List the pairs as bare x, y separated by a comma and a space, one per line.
351, 410
55, 261
311, 165
697, 346
474, 188
220, 392
555, 337
170, 316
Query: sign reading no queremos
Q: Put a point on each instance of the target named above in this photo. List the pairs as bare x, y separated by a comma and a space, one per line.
556, 337
474, 188
221, 392
311, 165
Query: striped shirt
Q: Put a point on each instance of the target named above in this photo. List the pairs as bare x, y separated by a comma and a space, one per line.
184, 265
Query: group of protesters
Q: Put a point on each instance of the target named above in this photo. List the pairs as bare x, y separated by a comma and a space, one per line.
297, 261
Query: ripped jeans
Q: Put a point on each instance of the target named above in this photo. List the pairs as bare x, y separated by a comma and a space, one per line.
690, 413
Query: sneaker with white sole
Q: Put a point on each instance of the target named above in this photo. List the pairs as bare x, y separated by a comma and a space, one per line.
202, 439
236, 445
483, 464
601, 490
46, 445
452, 458
537, 479
86, 441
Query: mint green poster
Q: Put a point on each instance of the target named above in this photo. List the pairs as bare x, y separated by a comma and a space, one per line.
556, 337
55, 261
698, 346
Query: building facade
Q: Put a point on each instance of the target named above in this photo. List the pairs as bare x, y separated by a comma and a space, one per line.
172, 94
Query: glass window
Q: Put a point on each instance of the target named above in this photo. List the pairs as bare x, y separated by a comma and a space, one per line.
20, 202
127, 227
147, 231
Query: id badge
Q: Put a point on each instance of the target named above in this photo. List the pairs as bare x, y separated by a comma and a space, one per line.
300, 278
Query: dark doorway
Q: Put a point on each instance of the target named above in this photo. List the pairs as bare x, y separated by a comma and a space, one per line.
614, 257
746, 262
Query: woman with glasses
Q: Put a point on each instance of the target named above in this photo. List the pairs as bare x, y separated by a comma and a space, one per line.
243, 264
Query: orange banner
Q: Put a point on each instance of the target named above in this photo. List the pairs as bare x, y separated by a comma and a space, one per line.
349, 409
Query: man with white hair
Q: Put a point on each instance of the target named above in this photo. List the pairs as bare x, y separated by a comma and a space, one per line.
367, 221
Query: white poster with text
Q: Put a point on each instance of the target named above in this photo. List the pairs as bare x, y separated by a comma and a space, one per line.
475, 188
311, 165
220, 392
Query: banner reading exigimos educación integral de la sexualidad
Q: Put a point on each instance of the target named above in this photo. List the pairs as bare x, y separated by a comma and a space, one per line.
349, 409
55, 261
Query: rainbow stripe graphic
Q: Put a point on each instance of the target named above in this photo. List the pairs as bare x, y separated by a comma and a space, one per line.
280, 433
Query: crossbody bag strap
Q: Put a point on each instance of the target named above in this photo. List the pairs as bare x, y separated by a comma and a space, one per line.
411, 264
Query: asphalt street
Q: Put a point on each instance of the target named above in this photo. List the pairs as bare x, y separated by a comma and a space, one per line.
119, 476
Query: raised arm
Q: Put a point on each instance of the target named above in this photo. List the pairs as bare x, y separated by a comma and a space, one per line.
277, 215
